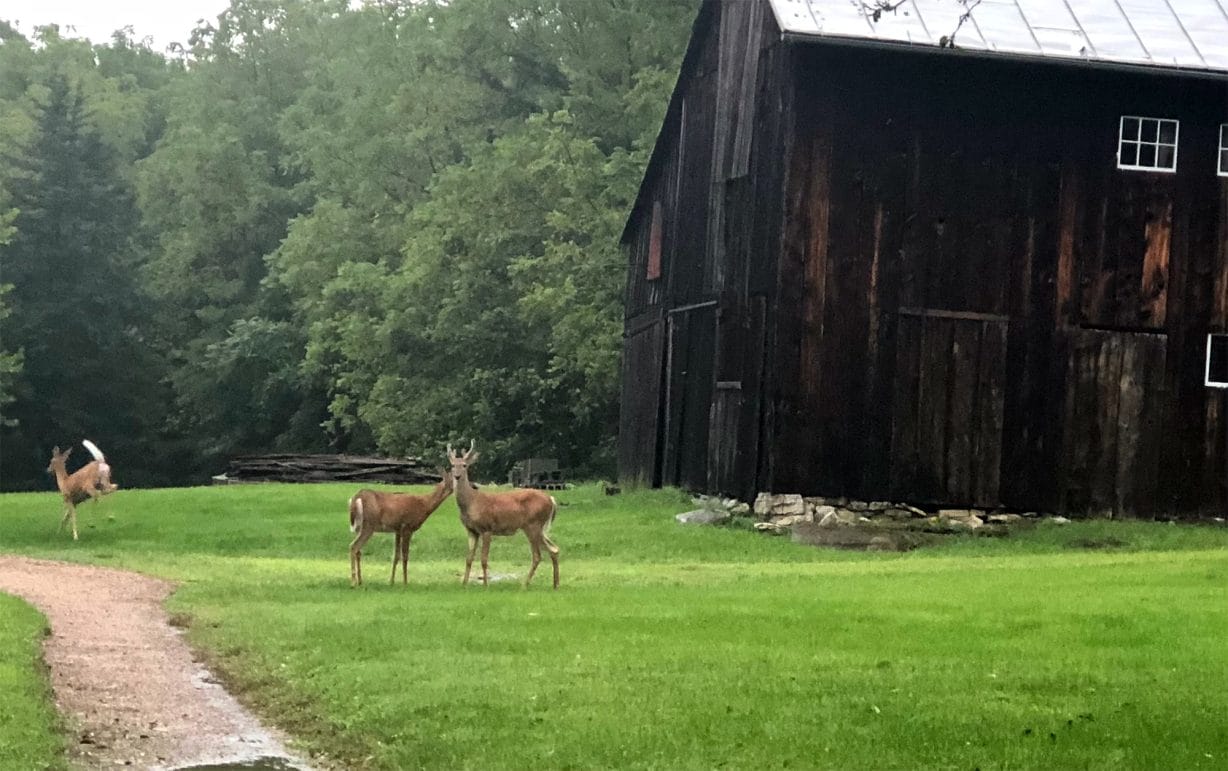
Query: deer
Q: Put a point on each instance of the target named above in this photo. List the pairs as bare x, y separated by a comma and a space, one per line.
487, 514
373, 512
93, 480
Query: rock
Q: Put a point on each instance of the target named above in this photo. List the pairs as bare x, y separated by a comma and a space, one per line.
820, 511
1059, 520
771, 528
959, 513
763, 505
740, 509
785, 505
915, 511
1004, 519
790, 520
857, 506
702, 517
897, 513
829, 519
879, 505
824, 501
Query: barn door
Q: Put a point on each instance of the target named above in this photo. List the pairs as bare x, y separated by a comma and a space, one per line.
639, 416
946, 439
733, 442
690, 360
1111, 448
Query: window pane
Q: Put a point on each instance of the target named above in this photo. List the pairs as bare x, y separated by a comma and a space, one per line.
1167, 157
1223, 161
1168, 132
1147, 156
1129, 154
1223, 137
1217, 359
1150, 131
1129, 128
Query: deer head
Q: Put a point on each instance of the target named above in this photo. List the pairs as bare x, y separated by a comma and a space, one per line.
460, 463
59, 460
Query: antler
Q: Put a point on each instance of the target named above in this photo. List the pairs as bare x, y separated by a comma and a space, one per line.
469, 452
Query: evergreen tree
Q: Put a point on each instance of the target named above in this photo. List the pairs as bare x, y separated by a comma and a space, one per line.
76, 313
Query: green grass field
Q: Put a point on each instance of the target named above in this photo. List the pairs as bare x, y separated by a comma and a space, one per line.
670, 646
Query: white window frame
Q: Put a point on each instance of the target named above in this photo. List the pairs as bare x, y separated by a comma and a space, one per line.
1206, 380
1154, 142
1223, 149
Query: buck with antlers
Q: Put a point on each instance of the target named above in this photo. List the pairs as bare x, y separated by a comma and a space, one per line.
487, 514
401, 513
92, 480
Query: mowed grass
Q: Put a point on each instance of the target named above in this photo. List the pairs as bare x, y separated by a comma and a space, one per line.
684, 647
28, 724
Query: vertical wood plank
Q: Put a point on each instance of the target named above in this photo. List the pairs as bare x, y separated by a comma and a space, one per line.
961, 426
990, 411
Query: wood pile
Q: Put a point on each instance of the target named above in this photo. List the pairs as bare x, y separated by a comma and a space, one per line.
327, 468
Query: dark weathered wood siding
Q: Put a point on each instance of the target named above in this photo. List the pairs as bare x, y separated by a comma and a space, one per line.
889, 272
693, 356
977, 307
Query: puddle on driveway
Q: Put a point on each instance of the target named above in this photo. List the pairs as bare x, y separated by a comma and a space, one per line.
255, 764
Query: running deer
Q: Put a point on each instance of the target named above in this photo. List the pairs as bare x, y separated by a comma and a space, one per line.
487, 514
93, 480
401, 513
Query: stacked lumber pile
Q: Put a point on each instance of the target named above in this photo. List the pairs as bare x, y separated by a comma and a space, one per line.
327, 468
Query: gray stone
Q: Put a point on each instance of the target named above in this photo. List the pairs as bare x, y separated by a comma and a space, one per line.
857, 506
1004, 519
896, 513
785, 505
1059, 520
820, 511
771, 528
740, 509
763, 505
702, 517
829, 519
879, 505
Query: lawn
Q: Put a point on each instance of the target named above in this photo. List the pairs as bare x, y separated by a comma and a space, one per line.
676, 647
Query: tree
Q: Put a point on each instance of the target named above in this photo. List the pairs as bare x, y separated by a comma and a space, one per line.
75, 310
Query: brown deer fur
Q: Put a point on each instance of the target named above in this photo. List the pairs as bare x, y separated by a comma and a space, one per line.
93, 480
487, 514
401, 513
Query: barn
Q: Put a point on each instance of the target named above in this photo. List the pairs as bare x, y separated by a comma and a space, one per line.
964, 260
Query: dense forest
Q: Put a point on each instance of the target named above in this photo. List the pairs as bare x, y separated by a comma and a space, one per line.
324, 226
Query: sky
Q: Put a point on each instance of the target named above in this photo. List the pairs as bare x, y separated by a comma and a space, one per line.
166, 21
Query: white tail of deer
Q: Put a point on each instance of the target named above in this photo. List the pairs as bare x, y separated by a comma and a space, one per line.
401, 513
488, 514
92, 480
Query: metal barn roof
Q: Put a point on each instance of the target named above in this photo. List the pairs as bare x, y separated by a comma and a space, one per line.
1184, 34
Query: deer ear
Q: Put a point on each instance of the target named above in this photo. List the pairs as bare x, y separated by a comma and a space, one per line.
473, 457
55, 450
68, 452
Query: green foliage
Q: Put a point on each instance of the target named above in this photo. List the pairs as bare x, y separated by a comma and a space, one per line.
685, 647
373, 226
76, 310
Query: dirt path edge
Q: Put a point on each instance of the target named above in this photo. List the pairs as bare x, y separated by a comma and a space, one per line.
125, 681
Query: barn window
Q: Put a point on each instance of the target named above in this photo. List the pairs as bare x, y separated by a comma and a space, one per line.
654, 244
1223, 150
1217, 360
1147, 144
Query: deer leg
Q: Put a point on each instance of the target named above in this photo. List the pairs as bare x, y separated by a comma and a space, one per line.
356, 557
473, 546
64, 520
485, 559
535, 545
554, 557
396, 555
405, 557
72, 510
